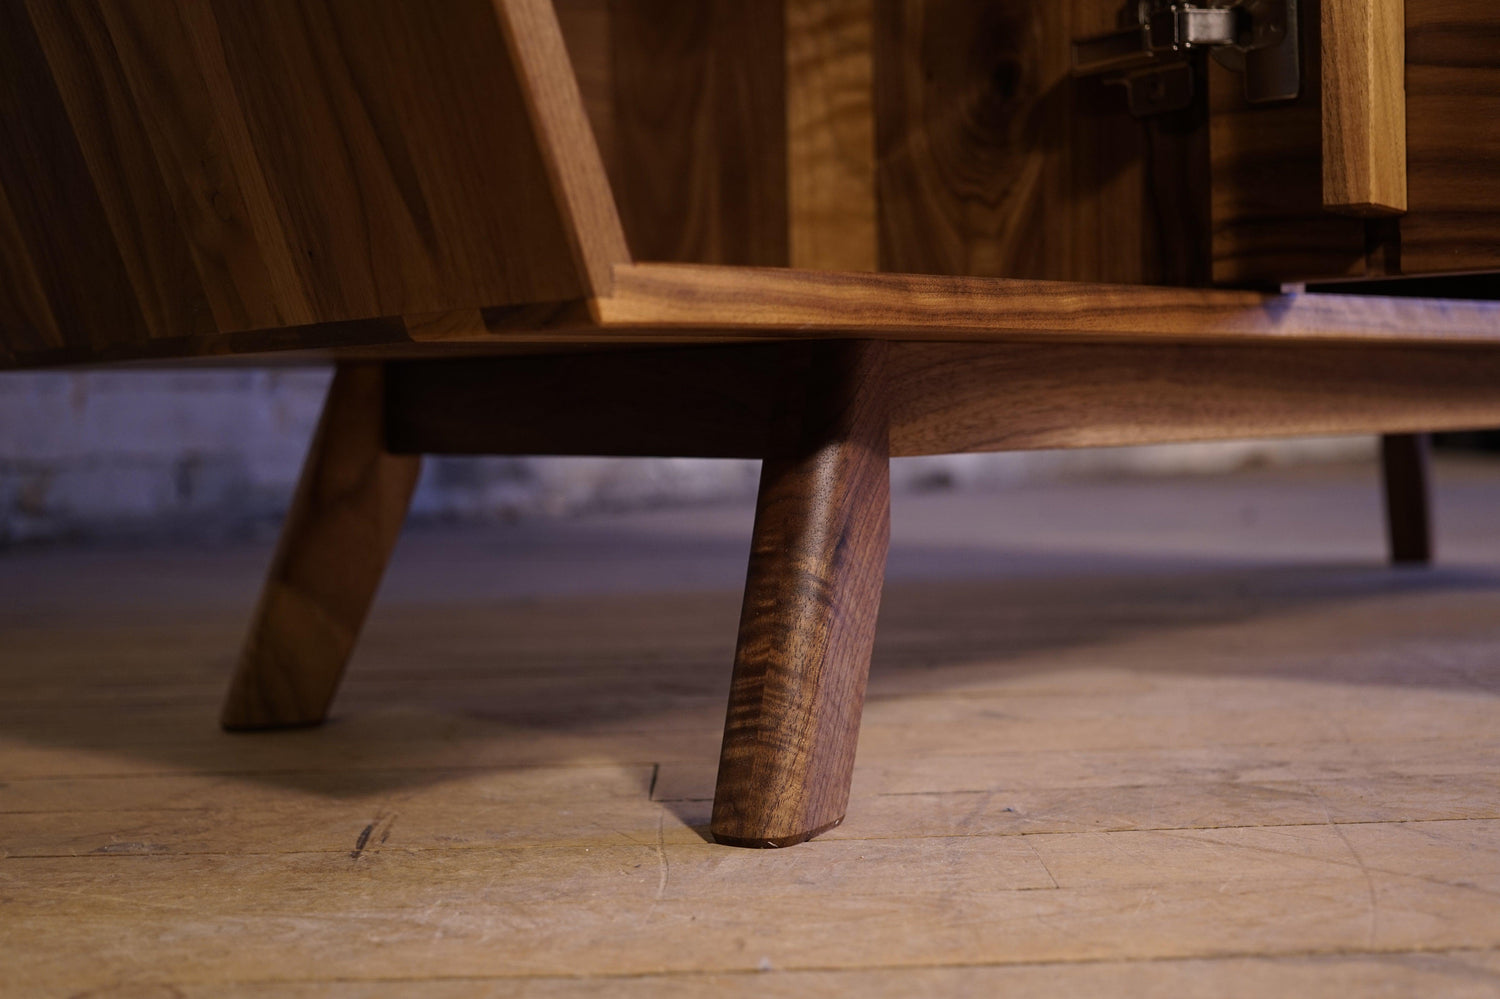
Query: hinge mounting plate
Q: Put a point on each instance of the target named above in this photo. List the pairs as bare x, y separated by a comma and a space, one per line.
1152, 58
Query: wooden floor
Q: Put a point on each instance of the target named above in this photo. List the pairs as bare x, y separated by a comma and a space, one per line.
1185, 738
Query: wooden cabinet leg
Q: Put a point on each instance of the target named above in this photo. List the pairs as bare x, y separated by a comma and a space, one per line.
1407, 507
817, 563
338, 536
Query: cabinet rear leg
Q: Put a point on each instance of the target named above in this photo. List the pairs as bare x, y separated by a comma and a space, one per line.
1408, 514
338, 536
817, 563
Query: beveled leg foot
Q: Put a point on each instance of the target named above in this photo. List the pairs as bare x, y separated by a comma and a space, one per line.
338, 536
1408, 515
817, 563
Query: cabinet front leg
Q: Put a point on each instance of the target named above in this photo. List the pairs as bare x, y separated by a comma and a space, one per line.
338, 536
817, 563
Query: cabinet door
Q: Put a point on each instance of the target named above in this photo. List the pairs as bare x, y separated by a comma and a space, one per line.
1387, 165
995, 160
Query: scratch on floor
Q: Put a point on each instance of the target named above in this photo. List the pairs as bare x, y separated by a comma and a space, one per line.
383, 823
663, 866
1358, 860
1040, 860
661, 857
1369, 880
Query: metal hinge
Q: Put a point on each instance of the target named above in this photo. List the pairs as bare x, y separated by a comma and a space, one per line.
1152, 59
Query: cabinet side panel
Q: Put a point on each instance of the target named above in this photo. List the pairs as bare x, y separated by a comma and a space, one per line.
180, 170
70, 286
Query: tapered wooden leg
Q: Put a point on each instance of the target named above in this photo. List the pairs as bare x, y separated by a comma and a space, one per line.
817, 562
1407, 508
338, 536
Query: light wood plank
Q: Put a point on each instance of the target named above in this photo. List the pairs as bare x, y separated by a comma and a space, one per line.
1101, 769
329, 812
1459, 974
1194, 913
1364, 106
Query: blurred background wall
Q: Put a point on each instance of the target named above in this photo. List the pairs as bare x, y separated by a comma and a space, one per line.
215, 453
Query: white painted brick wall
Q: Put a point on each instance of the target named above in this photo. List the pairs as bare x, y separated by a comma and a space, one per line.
100, 453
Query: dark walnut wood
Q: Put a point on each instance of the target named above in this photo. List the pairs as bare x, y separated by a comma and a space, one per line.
699, 130
717, 401
338, 536
817, 562
1453, 137
994, 161
387, 180
1270, 223
666, 303
181, 170
373, 176
1408, 514
661, 300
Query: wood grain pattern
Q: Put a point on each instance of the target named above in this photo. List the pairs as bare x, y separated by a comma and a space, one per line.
1453, 137
1364, 106
747, 301
830, 122
1269, 221
50, 195
122, 165
660, 303
1059, 726
994, 161
244, 175
590, 220
181, 86
587, 33
738, 134
188, 169
339, 533
975, 398
1404, 460
700, 127
22, 294
1177, 237
716, 402
817, 563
